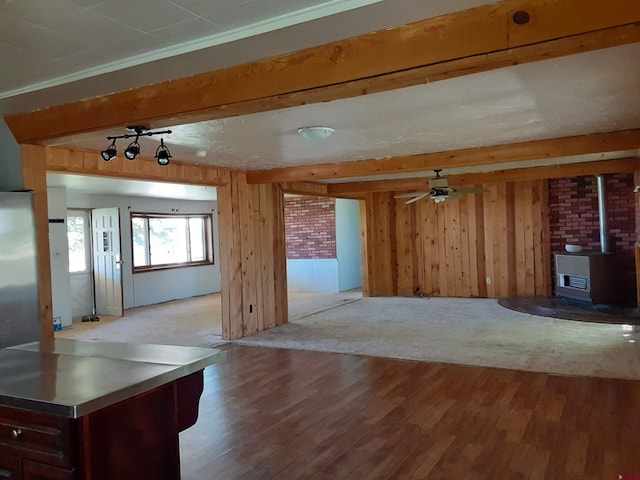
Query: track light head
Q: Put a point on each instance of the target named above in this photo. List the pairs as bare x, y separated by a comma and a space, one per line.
110, 153
133, 150
162, 154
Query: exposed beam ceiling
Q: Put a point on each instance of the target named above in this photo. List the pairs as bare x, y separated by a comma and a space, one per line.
598, 119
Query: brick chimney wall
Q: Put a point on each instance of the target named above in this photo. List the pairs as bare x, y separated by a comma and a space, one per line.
573, 215
310, 227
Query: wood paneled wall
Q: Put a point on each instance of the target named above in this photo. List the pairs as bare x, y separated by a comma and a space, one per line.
488, 245
253, 257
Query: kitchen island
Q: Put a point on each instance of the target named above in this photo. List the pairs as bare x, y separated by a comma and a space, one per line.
75, 410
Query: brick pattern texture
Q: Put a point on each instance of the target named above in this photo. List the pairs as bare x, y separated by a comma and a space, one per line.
573, 215
310, 227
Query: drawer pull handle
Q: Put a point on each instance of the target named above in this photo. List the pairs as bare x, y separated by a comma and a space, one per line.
16, 433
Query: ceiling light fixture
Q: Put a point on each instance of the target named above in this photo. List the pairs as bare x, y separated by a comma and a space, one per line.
110, 153
316, 133
162, 154
133, 150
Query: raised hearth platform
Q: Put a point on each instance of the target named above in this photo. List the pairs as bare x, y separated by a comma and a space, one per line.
557, 307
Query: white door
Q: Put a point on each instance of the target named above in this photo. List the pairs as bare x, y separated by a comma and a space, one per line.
107, 266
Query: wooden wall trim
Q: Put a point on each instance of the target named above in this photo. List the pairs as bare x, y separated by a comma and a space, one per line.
80, 162
35, 178
625, 165
348, 66
513, 152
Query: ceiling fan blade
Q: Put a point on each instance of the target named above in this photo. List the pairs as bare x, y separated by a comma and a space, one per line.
409, 195
417, 198
455, 194
471, 190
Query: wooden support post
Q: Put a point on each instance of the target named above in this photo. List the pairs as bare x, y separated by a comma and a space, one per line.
253, 257
35, 178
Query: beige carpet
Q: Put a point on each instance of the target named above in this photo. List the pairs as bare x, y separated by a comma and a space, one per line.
463, 331
195, 322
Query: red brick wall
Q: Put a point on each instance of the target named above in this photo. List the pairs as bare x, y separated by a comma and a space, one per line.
573, 215
310, 227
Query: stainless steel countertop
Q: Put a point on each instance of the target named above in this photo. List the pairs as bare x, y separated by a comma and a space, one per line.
72, 378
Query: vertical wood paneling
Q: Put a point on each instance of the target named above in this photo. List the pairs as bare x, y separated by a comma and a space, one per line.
253, 258
365, 226
450, 249
381, 247
441, 254
529, 243
281, 309
490, 221
35, 178
265, 262
405, 246
466, 274
480, 250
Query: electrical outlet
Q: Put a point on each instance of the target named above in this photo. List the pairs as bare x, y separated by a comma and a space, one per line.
488, 280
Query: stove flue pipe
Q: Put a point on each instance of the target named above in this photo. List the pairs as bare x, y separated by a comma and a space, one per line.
602, 213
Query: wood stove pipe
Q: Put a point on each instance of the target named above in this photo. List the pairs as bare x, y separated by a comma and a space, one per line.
602, 213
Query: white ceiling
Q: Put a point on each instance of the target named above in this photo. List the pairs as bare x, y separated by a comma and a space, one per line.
60, 51
56, 41
588, 93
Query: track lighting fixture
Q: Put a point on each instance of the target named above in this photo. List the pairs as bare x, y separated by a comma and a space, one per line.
133, 150
162, 154
110, 153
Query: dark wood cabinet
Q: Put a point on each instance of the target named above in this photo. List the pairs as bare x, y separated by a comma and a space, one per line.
10, 467
135, 439
36, 446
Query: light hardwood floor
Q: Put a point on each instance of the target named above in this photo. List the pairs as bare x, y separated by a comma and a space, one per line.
288, 414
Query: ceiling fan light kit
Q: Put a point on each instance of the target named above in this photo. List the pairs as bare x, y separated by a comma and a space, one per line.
133, 149
439, 191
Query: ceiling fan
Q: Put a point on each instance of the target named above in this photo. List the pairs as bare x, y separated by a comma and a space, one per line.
439, 190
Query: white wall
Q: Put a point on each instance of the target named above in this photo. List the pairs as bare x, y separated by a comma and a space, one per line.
313, 275
10, 160
59, 249
155, 287
348, 244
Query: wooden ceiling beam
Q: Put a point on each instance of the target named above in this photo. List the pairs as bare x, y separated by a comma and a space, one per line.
514, 152
480, 39
600, 167
307, 189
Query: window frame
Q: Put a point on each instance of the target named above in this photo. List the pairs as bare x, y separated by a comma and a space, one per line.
88, 247
208, 241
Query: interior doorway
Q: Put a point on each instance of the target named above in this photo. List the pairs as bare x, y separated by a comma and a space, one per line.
323, 252
126, 295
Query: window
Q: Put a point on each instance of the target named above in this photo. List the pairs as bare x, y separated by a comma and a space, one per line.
79, 241
170, 241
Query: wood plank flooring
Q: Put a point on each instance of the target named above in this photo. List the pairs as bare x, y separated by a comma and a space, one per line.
289, 414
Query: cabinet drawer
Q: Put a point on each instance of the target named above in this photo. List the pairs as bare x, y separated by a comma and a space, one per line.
39, 471
10, 468
43, 438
